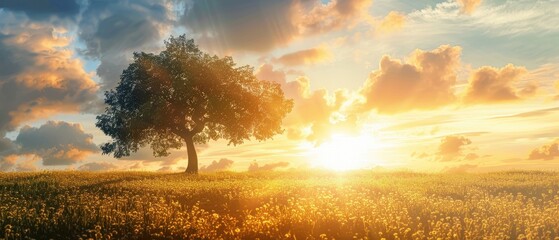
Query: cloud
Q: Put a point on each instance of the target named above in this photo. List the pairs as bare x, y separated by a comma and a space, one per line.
334, 15
545, 152
420, 155
471, 156
451, 147
57, 143
39, 76
224, 164
430, 121
45, 9
315, 113
468, 6
266, 167
535, 113
97, 166
112, 30
305, 57
27, 165
7, 146
137, 166
394, 21
18, 163
492, 85
166, 169
460, 168
8, 157
259, 26
424, 82
8, 162
504, 18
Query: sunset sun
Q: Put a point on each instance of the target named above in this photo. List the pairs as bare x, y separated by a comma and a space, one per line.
343, 152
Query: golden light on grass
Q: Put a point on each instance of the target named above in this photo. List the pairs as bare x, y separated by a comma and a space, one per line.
343, 152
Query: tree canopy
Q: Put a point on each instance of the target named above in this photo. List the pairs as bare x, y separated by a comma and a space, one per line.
183, 95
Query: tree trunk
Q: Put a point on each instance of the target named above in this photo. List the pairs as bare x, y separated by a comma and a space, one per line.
192, 157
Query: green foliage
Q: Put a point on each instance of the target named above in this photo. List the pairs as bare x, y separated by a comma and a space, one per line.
272, 205
183, 94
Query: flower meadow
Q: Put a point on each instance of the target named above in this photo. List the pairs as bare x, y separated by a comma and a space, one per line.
279, 205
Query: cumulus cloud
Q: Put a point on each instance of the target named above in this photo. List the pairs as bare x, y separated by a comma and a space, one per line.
451, 147
8, 162
19, 163
493, 85
112, 30
305, 57
97, 166
7, 146
315, 113
259, 26
424, 82
392, 22
267, 167
39, 76
224, 164
468, 6
45, 9
27, 165
334, 15
8, 157
57, 143
545, 152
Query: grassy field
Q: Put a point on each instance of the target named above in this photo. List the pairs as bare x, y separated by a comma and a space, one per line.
274, 205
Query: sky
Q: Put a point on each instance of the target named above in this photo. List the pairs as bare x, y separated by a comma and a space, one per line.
434, 86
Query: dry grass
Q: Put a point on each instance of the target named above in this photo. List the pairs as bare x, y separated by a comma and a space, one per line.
271, 205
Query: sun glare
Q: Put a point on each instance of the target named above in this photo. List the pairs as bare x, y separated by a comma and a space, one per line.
345, 152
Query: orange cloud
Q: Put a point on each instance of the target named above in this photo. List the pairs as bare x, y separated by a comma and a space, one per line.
18, 162
545, 152
42, 78
304, 57
492, 85
27, 164
451, 147
424, 82
468, 6
8, 162
392, 22
332, 16
315, 113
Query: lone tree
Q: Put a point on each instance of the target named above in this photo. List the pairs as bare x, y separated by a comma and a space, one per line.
183, 95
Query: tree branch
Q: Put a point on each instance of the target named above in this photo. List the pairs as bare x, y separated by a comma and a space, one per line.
198, 128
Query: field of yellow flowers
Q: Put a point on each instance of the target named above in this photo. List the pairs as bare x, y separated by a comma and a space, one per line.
279, 205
